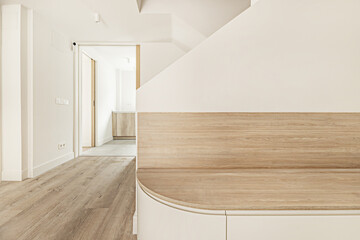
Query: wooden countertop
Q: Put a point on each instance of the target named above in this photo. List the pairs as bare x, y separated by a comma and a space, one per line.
255, 189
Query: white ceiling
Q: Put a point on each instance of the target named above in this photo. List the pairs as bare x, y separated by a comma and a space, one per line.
184, 23
121, 20
121, 57
206, 16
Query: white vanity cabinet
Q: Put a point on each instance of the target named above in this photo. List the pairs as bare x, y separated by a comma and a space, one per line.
158, 221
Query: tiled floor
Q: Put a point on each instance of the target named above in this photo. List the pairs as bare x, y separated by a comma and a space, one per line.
113, 148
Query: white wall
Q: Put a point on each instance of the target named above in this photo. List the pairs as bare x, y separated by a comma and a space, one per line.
53, 77
0, 95
203, 15
25, 71
184, 35
126, 91
155, 57
14, 92
279, 55
86, 105
118, 85
105, 81
11, 93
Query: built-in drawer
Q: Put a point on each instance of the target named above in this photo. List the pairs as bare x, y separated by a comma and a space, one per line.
329, 227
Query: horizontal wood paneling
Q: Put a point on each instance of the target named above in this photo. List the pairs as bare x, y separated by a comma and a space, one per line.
249, 140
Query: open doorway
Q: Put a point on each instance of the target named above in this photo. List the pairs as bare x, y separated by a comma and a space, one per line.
107, 95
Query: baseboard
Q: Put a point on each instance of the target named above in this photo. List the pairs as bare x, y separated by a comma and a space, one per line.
103, 141
52, 164
12, 175
135, 223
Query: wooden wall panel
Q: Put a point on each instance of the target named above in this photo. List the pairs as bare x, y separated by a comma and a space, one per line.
249, 140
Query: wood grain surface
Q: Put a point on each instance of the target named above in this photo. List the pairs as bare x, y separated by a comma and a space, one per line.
255, 189
86, 198
123, 124
248, 140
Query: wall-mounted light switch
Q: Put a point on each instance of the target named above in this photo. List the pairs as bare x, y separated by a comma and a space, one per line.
62, 101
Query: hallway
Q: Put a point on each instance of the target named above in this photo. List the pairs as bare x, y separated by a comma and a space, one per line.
86, 198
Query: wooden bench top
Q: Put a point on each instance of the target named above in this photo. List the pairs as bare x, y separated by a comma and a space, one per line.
255, 189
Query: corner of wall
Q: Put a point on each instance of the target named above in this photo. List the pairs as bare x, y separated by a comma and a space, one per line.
42, 168
103, 141
12, 175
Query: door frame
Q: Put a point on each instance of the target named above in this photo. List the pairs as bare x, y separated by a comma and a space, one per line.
77, 50
93, 105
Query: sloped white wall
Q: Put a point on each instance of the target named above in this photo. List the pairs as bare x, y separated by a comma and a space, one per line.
155, 57
185, 36
279, 55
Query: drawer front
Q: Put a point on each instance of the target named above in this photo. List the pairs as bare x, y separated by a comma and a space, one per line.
293, 227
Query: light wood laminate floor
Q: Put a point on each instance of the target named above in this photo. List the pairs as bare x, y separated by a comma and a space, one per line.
86, 198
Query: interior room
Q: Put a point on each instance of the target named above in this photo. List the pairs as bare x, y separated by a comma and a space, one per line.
108, 88
179, 120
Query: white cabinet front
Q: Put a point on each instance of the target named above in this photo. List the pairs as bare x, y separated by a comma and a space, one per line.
294, 227
157, 221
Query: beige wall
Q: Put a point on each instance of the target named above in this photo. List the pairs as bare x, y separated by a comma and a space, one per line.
53, 77
279, 55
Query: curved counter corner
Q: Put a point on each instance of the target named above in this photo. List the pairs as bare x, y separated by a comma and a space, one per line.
255, 189
159, 220
200, 204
